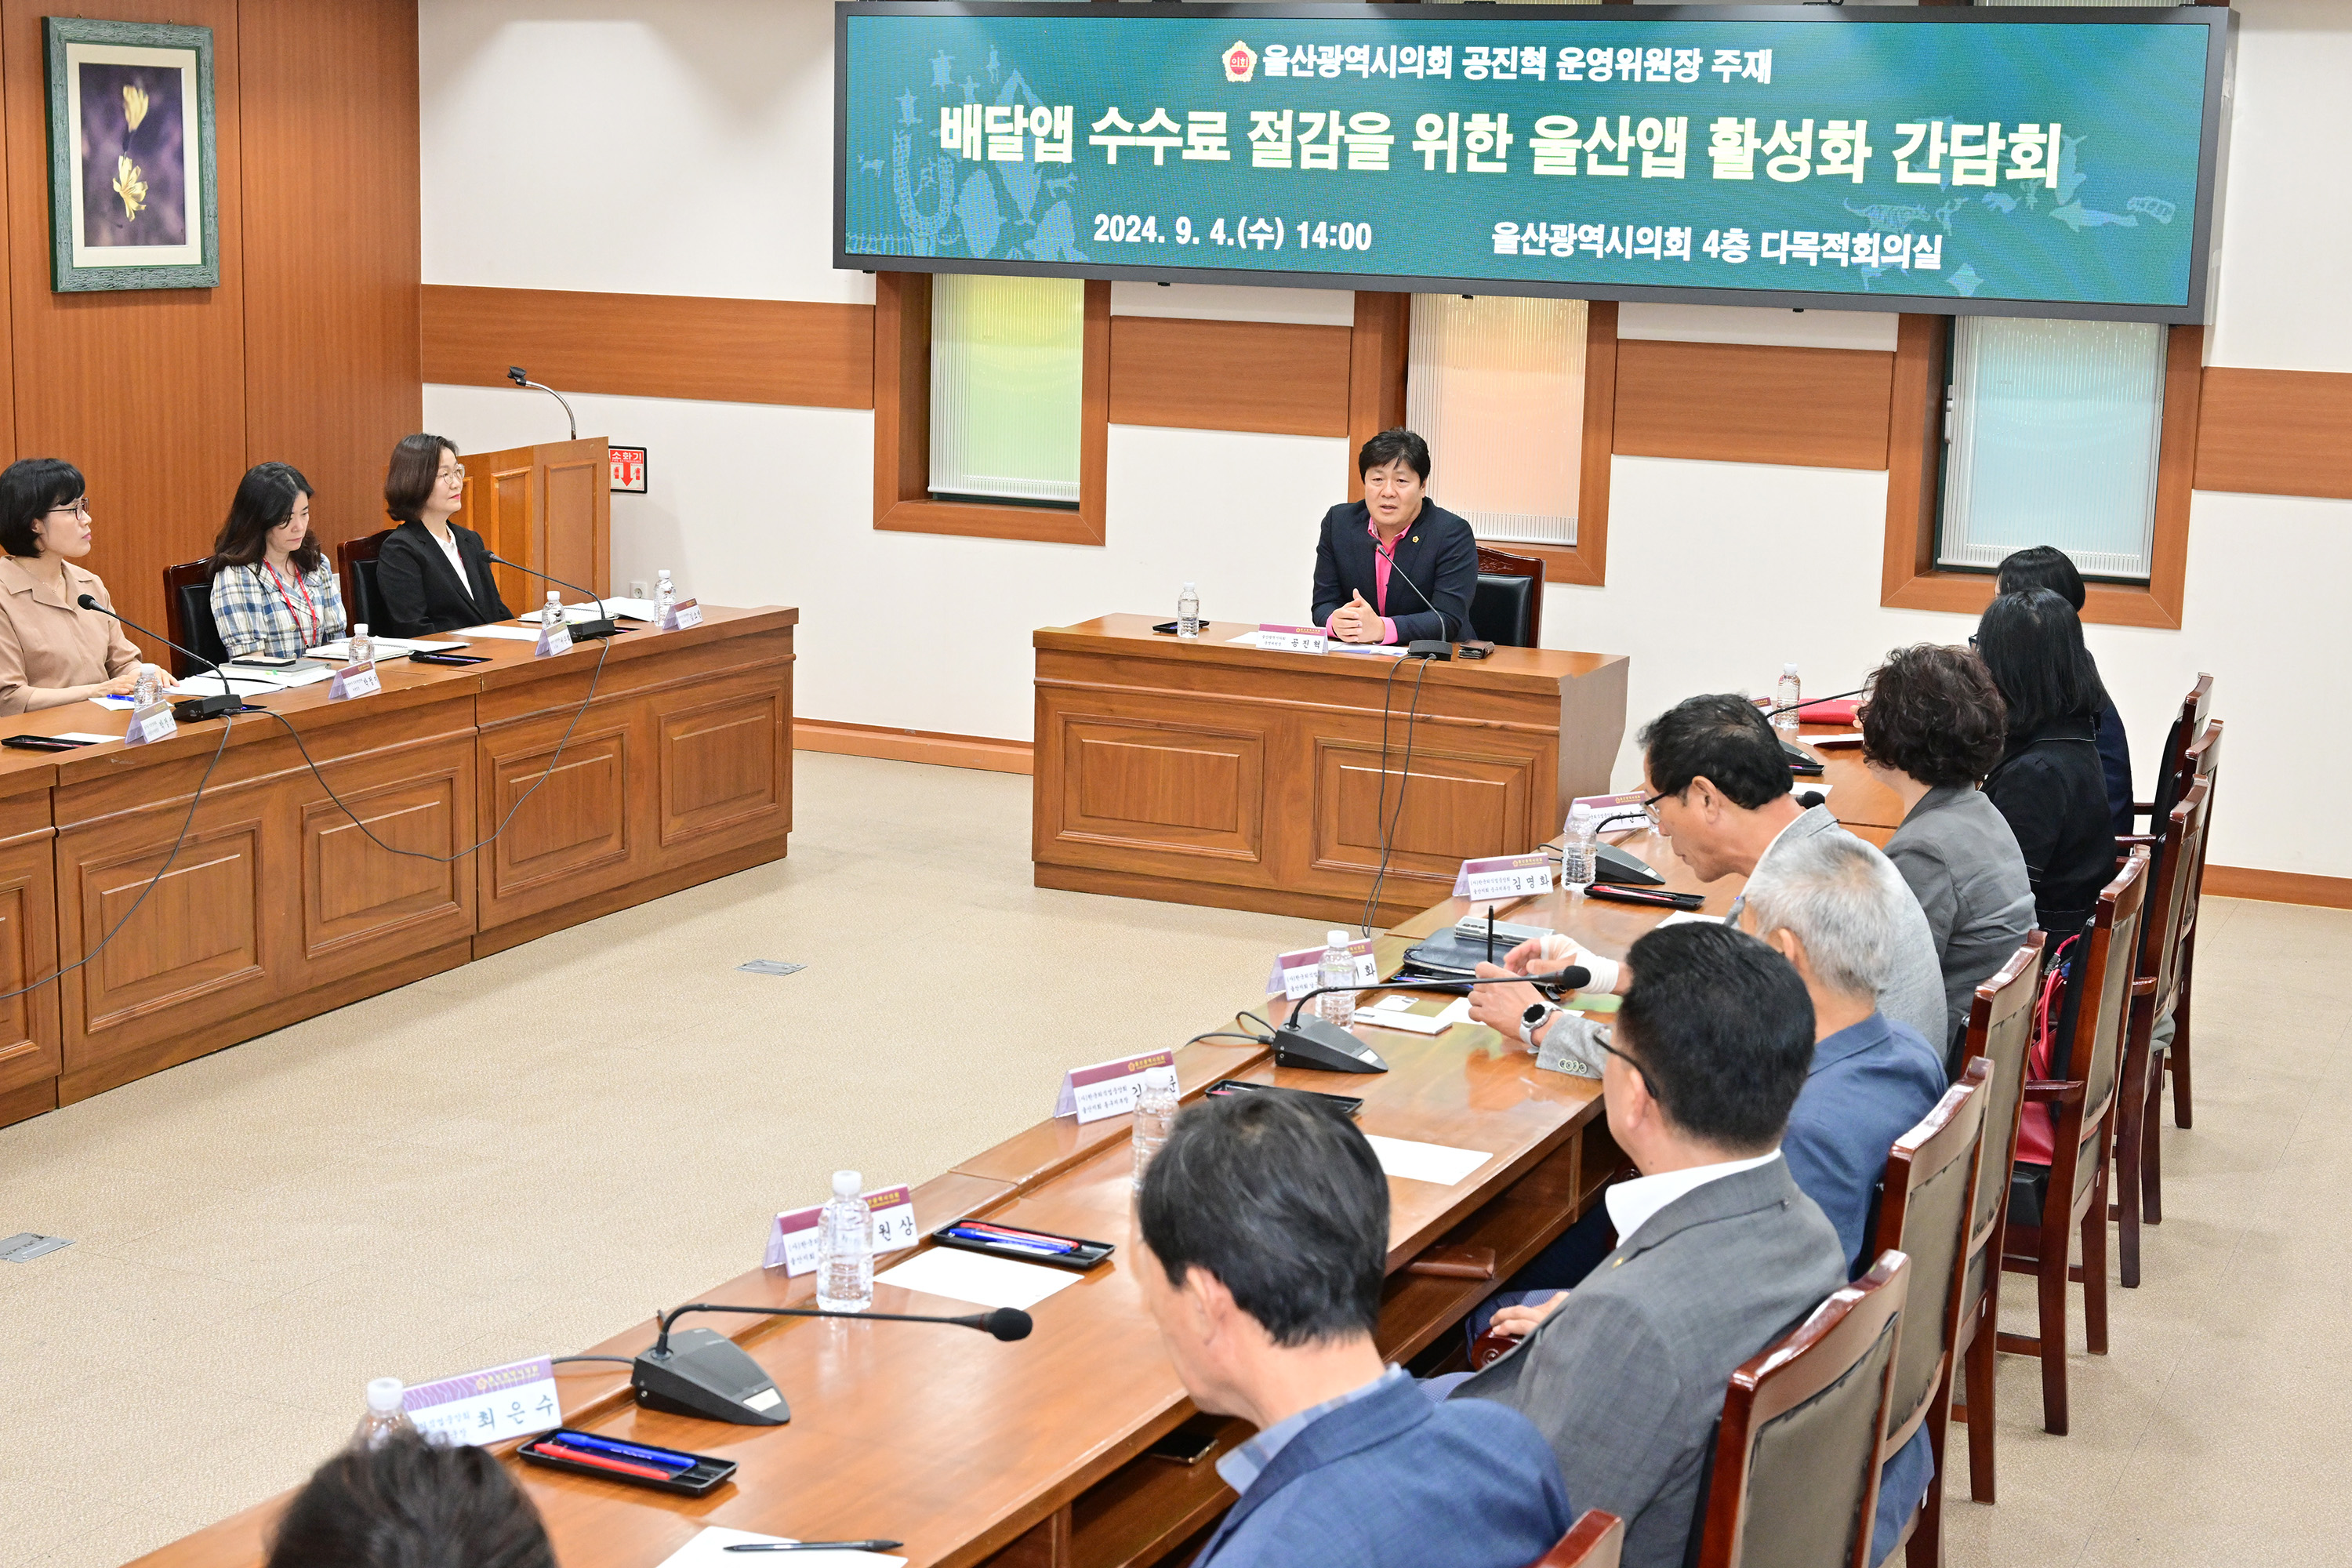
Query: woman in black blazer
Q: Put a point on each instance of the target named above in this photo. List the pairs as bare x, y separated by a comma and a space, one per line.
1432, 557
432, 575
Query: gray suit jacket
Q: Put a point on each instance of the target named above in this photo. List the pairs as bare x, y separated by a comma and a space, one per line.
1627, 1378
1914, 992
1957, 853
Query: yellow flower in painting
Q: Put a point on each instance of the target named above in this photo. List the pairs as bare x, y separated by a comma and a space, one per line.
134, 104
131, 184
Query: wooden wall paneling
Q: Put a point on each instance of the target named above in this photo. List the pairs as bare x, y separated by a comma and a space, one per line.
802, 352
2275, 432
902, 451
1375, 373
1282, 378
575, 535
30, 1058
328, 183
143, 390
1753, 403
1914, 456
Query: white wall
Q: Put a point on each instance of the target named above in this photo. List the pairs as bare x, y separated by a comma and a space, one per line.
663, 148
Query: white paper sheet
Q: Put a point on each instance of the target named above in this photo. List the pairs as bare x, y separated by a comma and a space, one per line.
709, 1550
1438, 1162
262, 680
512, 634
85, 735
115, 704
342, 647
1395, 1012
1384, 650
210, 686
975, 1277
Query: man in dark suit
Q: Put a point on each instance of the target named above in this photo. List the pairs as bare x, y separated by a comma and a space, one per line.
1720, 1253
1265, 1235
1395, 567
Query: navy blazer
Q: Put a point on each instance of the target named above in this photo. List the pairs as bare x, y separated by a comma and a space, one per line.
1393, 1480
1436, 556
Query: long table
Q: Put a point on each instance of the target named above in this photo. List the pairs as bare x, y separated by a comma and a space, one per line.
1030, 1455
278, 907
1207, 771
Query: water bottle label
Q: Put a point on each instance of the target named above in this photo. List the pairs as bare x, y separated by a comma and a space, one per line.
487, 1406
1293, 639
1505, 877
684, 614
149, 724
353, 680
1111, 1089
1296, 973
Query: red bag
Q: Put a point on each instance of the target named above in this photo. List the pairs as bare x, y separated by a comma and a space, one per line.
2037, 1126
1836, 711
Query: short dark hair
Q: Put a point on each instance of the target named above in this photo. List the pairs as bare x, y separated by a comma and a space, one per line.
1723, 738
1389, 445
30, 488
2041, 566
1935, 713
1722, 1029
1281, 1199
406, 1503
2031, 643
415, 466
265, 499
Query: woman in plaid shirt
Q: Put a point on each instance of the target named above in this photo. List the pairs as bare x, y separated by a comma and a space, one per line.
273, 592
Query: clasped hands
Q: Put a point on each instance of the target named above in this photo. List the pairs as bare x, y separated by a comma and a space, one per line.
1357, 621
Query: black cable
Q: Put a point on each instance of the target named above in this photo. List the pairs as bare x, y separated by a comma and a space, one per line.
1381, 808
1228, 1034
177, 845
594, 676
1261, 1023
618, 1360
1388, 831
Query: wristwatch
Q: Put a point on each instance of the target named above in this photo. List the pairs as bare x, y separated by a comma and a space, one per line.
1532, 1020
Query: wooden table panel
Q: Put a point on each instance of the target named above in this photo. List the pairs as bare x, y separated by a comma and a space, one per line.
30, 1052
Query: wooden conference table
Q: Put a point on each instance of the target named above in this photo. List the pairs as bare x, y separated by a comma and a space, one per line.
1209, 773
277, 907
1030, 1455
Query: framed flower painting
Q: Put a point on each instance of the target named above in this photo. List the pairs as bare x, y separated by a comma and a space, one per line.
132, 203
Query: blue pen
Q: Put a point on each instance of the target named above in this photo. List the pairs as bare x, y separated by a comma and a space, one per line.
1043, 1248
626, 1450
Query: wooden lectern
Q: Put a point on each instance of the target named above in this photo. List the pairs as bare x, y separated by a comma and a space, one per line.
549, 507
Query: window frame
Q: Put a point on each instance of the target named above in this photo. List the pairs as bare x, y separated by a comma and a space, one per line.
902, 427
1910, 579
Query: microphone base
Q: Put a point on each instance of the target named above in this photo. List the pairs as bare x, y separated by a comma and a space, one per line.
195, 710
583, 630
706, 1373
1801, 763
1613, 865
1429, 647
1309, 1042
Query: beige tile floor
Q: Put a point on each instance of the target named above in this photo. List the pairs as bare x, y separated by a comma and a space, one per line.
488, 1165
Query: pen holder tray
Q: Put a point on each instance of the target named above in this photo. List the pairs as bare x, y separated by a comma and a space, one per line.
1087, 1254
705, 1474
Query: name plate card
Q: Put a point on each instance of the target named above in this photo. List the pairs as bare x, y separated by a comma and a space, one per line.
1293, 639
552, 640
797, 1240
1296, 973
1505, 877
149, 724
685, 614
487, 1406
353, 680
1111, 1089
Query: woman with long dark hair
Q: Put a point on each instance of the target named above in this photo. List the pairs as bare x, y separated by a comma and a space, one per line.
273, 593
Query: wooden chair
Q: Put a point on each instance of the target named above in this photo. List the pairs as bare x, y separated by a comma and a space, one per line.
2139, 1170
1506, 608
2205, 762
188, 616
355, 565
1927, 1211
2047, 1204
2174, 768
1795, 1477
2000, 1027
1595, 1541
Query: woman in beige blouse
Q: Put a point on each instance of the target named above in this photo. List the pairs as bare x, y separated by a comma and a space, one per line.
52, 651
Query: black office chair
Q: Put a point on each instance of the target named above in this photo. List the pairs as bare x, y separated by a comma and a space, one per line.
188, 616
355, 563
1508, 608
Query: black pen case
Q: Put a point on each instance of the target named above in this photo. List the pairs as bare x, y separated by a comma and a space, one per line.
1085, 1254
705, 1474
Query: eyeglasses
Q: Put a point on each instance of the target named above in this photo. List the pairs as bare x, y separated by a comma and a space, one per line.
78, 508
455, 471
1650, 806
1628, 1062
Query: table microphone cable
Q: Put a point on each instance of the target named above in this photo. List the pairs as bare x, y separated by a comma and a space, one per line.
1389, 825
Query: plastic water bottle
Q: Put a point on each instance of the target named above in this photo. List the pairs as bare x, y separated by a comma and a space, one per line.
1790, 694
553, 614
1580, 860
385, 1419
145, 691
1155, 1117
1188, 612
845, 1270
1338, 968
665, 601
362, 645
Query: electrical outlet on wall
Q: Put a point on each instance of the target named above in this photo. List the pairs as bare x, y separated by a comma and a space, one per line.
637, 589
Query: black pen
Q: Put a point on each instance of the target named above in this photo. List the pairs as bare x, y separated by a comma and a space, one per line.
815, 1546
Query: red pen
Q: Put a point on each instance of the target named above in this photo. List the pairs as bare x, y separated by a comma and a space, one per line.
559, 1451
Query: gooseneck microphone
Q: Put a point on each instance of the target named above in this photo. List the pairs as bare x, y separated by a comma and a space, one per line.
1304, 1040
700, 1372
515, 375
1425, 648
601, 626
191, 710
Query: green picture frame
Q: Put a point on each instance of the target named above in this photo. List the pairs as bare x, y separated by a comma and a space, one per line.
135, 198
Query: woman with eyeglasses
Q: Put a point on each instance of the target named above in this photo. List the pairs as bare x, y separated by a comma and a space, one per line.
432, 576
273, 593
52, 651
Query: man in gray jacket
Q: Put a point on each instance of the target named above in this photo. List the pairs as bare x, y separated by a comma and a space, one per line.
1720, 1253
